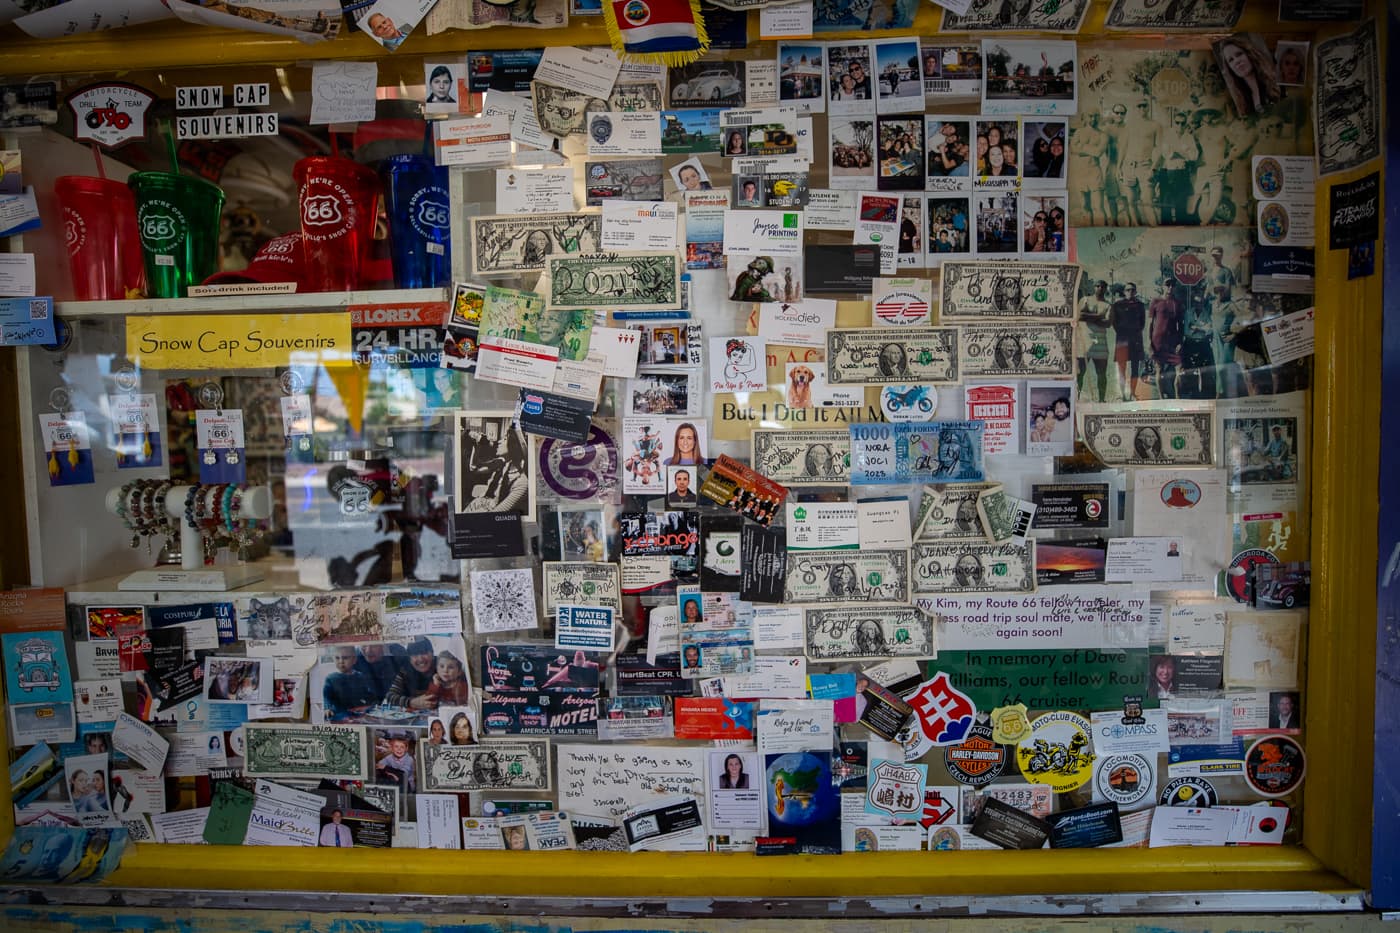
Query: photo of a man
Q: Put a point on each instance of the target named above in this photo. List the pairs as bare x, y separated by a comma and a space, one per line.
1284, 711
680, 488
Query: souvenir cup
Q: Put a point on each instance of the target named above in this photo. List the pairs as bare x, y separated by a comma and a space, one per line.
99, 228
178, 220
420, 236
339, 202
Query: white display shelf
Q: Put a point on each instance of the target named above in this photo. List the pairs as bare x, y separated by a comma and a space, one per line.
303, 301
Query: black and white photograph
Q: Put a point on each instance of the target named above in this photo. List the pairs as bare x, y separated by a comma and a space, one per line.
493, 465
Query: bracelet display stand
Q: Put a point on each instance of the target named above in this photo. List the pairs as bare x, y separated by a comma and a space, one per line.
193, 575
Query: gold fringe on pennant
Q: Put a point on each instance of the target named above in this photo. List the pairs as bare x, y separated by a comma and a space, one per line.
671, 59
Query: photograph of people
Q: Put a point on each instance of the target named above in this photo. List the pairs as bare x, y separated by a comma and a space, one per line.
493, 473
679, 494
685, 448
1284, 712
1249, 72
441, 84
383, 29
690, 176
336, 833
1161, 680
692, 658
691, 613
736, 144
460, 730
1292, 61
437, 733
734, 777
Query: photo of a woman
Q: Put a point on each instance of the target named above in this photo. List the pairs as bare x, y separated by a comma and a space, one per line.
734, 777
1161, 680
437, 733
440, 86
1249, 72
685, 447
736, 144
460, 730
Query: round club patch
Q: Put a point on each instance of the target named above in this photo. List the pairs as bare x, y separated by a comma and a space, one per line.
1126, 780
1274, 765
1056, 753
1188, 792
977, 759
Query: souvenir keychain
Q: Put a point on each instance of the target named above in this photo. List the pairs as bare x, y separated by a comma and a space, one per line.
68, 451
135, 422
296, 418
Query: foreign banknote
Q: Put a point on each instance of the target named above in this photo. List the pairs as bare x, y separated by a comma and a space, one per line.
1022, 349
961, 567
916, 452
856, 633
803, 458
892, 356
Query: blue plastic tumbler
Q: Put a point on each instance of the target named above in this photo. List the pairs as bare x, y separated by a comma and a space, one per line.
420, 234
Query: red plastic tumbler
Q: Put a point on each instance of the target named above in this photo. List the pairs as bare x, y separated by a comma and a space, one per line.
339, 203
104, 245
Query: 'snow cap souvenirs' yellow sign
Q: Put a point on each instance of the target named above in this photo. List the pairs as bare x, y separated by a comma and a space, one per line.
236, 341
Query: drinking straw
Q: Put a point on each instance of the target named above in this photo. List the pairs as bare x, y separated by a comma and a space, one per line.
170, 147
97, 157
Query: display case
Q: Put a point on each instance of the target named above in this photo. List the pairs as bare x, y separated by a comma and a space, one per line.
1080, 483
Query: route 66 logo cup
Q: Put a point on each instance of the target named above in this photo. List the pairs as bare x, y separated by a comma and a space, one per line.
420, 234
99, 229
339, 202
177, 218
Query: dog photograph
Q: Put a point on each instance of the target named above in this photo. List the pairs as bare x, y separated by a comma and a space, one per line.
799, 386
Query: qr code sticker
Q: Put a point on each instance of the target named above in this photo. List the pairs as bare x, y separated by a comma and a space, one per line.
39, 310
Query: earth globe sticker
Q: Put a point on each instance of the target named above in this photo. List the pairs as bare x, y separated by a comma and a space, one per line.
800, 792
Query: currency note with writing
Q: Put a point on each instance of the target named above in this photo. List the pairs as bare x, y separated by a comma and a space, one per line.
1150, 438
628, 281
852, 634
338, 753
916, 452
520, 764
892, 356
507, 244
803, 458
1005, 517
983, 291
581, 583
1006, 350
562, 112
962, 567
815, 577
949, 512
992, 16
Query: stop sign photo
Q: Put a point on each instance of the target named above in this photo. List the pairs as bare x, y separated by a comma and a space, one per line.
1188, 269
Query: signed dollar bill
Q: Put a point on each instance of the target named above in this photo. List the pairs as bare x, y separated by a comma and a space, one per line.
982, 291
636, 95
916, 452
1347, 100
1005, 517
892, 356
520, 764
338, 753
991, 16
1150, 438
562, 112
856, 633
961, 567
1002, 350
507, 244
630, 281
581, 583
1147, 14
815, 577
803, 458
949, 512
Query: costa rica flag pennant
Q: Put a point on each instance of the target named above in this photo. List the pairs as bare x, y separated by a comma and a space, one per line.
668, 32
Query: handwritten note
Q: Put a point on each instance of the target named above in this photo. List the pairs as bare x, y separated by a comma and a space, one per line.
608, 781
796, 726
343, 92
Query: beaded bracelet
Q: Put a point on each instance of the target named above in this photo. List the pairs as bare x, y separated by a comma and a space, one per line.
124, 499
191, 498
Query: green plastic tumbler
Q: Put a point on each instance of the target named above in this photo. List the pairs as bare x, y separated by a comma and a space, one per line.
178, 220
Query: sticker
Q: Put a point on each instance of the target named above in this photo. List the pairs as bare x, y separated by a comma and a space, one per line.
1241, 569
977, 759
1274, 765
110, 115
1009, 724
1056, 752
579, 471
942, 713
908, 402
1123, 779
1188, 792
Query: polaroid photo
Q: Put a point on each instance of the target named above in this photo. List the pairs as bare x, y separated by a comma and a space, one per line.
662, 393
444, 86
1045, 226
238, 680
801, 76
88, 778
1291, 60
1044, 153
681, 483
1030, 76
949, 227
494, 468
899, 85
1050, 419
849, 84
998, 159
948, 142
998, 220
900, 142
851, 151
690, 175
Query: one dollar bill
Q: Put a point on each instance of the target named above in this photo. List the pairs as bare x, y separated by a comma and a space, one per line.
857, 633
958, 567
631, 281
507, 244
1150, 438
815, 577
892, 356
338, 753
562, 112
1005, 350
803, 458
521, 764
949, 512
982, 291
